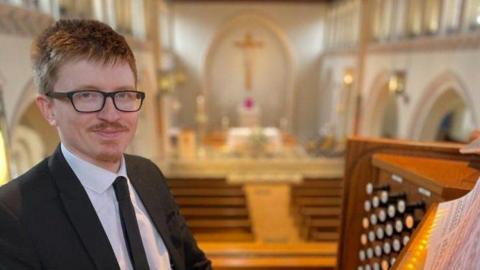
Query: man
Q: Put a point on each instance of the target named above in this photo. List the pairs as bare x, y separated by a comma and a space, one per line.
90, 206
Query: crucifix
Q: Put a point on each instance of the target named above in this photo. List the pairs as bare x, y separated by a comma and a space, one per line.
247, 45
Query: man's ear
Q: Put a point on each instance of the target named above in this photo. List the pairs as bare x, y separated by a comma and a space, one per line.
45, 105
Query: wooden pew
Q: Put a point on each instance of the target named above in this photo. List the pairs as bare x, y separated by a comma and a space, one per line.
316, 206
214, 210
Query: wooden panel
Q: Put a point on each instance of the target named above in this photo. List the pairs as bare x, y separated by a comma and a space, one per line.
215, 212
323, 192
429, 172
208, 192
224, 236
320, 211
211, 201
322, 183
219, 223
271, 256
200, 182
268, 207
317, 201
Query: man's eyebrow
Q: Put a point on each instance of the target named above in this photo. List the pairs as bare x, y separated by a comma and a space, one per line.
93, 87
129, 87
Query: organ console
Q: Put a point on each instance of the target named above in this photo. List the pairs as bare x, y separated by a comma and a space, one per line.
389, 186
370, 188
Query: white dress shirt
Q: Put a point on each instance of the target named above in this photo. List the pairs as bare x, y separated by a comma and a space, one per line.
97, 182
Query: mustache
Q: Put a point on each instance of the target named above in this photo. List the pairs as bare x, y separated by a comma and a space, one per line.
109, 125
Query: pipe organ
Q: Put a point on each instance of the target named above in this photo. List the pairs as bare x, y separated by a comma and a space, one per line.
389, 186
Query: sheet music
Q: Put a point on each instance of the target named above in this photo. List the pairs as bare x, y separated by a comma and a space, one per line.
455, 239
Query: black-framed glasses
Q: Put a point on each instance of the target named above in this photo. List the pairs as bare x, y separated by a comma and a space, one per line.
89, 101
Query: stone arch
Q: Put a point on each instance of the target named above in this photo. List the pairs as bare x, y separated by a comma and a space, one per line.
379, 103
32, 135
26, 98
261, 21
445, 93
27, 148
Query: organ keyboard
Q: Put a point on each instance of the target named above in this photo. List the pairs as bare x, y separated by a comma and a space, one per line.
389, 186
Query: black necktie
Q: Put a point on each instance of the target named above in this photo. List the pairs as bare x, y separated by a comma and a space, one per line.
130, 225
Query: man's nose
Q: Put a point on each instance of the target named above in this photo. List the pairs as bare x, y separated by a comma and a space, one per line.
109, 112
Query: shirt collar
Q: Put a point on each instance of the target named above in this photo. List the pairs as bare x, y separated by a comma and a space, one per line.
90, 175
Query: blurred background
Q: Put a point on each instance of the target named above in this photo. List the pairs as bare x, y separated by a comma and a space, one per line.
258, 90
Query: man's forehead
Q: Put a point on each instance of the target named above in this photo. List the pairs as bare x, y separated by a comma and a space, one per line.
98, 63
84, 72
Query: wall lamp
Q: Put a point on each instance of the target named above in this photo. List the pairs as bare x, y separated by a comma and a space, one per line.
397, 83
348, 76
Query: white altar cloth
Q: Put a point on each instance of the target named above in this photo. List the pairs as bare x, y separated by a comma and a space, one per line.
244, 139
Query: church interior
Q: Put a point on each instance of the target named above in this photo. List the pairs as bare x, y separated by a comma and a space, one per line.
294, 134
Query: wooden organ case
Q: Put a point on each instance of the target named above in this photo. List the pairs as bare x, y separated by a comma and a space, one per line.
389, 186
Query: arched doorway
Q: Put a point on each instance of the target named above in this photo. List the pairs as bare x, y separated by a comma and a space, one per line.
445, 112
449, 119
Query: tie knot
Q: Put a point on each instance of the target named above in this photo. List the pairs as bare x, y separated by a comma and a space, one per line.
121, 188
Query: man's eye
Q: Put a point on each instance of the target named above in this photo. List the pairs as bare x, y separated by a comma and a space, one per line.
86, 95
126, 95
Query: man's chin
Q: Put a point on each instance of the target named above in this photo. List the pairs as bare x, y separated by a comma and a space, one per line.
109, 157
109, 152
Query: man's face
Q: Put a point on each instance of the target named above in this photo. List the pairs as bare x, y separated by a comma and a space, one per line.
99, 137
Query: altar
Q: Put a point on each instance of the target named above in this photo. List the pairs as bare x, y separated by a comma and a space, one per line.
254, 141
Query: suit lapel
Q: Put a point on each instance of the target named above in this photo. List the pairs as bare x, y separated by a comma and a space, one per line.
81, 213
152, 195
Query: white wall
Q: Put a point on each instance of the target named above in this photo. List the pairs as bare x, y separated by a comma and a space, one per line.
197, 24
15, 69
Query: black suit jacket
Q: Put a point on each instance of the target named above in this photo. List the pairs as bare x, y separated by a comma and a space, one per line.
48, 222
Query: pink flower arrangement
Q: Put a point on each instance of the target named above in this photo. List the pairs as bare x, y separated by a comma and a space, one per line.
248, 103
